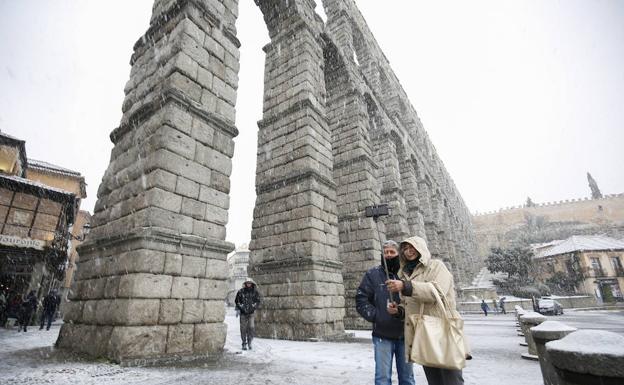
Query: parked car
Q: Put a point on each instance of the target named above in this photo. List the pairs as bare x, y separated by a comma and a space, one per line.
549, 306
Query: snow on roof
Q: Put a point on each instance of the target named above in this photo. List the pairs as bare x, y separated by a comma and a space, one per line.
49, 167
35, 184
584, 243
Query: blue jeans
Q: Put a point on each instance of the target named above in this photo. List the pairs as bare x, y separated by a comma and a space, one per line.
384, 350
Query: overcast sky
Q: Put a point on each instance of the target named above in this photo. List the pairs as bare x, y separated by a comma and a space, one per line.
520, 98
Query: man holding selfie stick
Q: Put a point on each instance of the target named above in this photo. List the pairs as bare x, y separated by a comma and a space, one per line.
372, 300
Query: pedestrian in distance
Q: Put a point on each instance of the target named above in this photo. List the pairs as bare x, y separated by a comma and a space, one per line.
502, 305
418, 272
484, 307
495, 305
247, 301
50, 304
372, 300
28, 307
4, 306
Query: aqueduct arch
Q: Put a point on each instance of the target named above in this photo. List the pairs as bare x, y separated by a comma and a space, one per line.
151, 278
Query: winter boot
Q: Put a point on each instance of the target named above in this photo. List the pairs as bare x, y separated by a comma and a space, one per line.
244, 346
249, 344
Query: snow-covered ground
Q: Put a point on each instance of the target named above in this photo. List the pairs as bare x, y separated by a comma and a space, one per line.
29, 358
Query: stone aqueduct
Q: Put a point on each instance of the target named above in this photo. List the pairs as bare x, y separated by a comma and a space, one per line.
337, 134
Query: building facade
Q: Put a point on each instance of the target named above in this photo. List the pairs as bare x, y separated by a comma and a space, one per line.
38, 207
596, 262
237, 261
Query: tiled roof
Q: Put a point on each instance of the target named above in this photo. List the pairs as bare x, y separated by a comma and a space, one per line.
585, 243
35, 184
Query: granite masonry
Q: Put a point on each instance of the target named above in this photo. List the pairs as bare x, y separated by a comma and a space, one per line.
337, 134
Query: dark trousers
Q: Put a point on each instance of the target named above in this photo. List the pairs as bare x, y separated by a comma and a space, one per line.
247, 327
437, 376
24, 320
46, 316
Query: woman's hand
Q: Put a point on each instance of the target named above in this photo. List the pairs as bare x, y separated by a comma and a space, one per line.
393, 308
394, 285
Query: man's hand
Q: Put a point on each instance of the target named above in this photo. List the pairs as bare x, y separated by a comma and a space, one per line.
393, 308
394, 285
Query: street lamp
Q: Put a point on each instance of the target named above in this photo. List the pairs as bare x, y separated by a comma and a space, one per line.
86, 228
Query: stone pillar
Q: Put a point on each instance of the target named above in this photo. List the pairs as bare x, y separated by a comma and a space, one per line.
527, 321
294, 245
588, 357
355, 174
388, 153
151, 280
542, 334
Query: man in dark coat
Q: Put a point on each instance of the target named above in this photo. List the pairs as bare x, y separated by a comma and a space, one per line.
50, 304
28, 307
372, 300
247, 301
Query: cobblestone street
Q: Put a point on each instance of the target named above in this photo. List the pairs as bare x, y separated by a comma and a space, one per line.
30, 359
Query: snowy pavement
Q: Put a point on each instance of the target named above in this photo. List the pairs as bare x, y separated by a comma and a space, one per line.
29, 358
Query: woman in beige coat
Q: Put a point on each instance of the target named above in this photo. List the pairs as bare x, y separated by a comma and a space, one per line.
417, 270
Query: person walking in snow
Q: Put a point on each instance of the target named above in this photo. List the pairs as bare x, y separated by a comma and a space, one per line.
247, 301
484, 307
371, 301
502, 305
28, 307
50, 304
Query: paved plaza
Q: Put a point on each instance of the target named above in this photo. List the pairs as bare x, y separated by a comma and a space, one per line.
30, 359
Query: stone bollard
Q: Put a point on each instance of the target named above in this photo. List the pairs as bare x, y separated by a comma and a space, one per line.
545, 332
519, 313
587, 357
527, 321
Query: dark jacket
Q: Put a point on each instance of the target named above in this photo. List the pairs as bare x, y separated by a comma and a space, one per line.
50, 303
371, 301
30, 304
247, 299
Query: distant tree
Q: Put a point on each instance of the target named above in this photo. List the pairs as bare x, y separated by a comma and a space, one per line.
516, 262
595, 191
529, 202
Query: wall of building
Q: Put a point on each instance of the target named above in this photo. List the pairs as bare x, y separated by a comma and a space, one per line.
63, 182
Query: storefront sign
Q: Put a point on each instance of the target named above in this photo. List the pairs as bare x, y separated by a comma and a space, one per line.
10, 240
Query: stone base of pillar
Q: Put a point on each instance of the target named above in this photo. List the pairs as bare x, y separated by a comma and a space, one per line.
149, 297
303, 299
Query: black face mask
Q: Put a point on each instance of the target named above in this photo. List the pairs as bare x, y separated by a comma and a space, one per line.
393, 264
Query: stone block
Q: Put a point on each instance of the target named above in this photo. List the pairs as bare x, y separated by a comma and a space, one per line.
137, 342
208, 230
214, 197
180, 339
112, 287
164, 199
202, 132
212, 289
72, 311
216, 269
173, 264
170, 311
187, 188
193, 311
209, 338
145, 286
193, 266
214, 311
136, 261
193, 208
134, 311
185, 287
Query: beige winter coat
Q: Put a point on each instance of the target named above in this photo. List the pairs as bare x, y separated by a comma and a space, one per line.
427, 270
